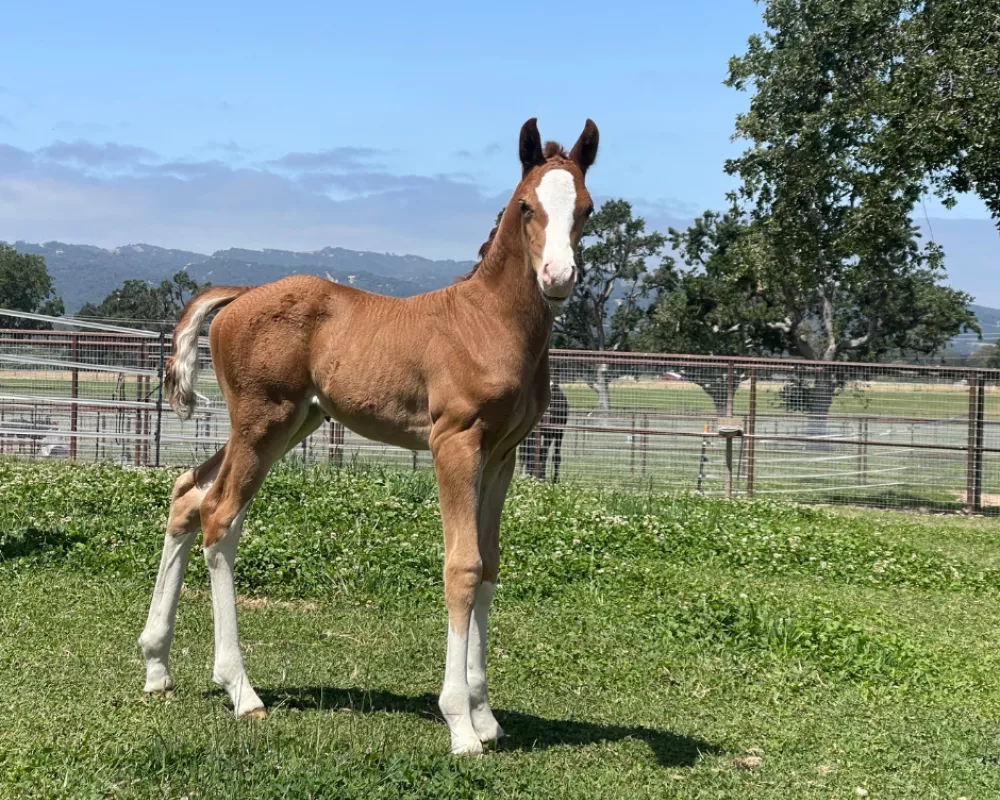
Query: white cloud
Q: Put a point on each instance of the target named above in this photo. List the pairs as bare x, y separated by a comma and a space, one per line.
109, 194
88, 154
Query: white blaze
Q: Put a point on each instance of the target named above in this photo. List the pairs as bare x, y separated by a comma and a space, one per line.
557, 195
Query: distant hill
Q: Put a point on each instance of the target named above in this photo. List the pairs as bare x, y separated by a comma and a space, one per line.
85, 273
989, 319
966, 343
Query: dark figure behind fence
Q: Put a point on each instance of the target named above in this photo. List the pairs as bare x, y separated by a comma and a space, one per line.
534, 451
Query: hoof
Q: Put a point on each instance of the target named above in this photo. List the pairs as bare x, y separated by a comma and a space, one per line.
255, 714
159, 686
495, 740
489, 733
470, 747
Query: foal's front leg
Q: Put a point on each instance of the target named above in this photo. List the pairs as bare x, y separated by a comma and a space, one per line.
492, 498
457, 461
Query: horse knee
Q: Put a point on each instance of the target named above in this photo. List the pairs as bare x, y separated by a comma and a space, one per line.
462, 575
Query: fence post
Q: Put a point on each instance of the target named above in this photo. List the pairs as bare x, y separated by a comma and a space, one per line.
730, 389
138, 411
147, 384
751, 430
74, 392
645, 441
159, 396
973, 487
980, 415
631, 445
729, 468
864, 451
702, 458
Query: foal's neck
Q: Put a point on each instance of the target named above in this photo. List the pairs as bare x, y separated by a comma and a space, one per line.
507, 279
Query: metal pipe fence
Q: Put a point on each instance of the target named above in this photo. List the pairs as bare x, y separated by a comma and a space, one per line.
866, 434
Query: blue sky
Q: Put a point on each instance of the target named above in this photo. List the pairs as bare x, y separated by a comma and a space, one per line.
379, 126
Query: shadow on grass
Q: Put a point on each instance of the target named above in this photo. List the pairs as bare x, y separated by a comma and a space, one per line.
524, 732
32, 542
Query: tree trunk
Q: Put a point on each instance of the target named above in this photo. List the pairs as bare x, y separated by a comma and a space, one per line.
820, 400
715, 384
602, 390
716, 390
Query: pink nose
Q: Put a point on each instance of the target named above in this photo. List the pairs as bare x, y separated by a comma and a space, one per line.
549, 282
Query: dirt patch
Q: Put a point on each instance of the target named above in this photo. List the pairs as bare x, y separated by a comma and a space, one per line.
986, 498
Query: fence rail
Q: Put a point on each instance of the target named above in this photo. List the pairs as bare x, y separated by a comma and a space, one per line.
923, 436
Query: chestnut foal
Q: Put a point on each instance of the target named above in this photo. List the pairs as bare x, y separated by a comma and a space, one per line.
462, 371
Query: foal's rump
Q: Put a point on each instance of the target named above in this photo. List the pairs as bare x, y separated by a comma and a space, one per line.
262, 331
181, 372
305, 341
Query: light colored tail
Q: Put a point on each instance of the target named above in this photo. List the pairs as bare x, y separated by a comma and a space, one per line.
181, 374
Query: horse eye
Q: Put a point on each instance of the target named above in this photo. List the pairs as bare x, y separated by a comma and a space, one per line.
525, 208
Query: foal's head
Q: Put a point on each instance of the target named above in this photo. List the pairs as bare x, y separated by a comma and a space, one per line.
554, 203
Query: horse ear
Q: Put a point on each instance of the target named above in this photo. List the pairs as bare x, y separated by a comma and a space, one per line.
584, 152
531, 146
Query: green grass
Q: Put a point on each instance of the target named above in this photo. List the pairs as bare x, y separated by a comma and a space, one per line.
641, 646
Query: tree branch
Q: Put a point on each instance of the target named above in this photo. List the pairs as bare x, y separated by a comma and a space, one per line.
805, 349
861, 341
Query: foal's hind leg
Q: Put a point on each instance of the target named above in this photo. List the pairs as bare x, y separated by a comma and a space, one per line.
248, 458
557, 441
182, 525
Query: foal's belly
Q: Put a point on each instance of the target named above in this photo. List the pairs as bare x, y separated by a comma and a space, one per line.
382, 420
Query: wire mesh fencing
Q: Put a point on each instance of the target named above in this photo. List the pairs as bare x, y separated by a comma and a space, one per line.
866, 434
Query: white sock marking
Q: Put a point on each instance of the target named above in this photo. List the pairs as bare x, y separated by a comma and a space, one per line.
483, 720
158, 634
454, 699
229, 671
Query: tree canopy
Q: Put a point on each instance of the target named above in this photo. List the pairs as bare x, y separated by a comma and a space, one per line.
145, 305
605, 311
829, 205
25, 285
858, 110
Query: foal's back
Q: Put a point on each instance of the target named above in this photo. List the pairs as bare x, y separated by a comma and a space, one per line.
382, 366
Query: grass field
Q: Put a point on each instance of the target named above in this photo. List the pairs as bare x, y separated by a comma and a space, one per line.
641, 646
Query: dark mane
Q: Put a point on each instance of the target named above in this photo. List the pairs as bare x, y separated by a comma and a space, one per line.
553, 149
484, 248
